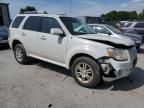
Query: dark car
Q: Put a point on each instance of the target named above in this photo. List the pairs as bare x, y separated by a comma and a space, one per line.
3, 35
134, 26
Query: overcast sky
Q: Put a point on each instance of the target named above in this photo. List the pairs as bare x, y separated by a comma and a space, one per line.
79, 7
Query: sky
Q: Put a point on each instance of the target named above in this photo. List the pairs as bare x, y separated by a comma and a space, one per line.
78, 7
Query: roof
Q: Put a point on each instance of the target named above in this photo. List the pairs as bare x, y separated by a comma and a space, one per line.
37, 14
4, 4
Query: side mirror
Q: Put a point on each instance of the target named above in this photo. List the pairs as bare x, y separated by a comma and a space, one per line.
56, 31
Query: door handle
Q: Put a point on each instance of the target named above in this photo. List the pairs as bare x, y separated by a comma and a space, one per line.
23, 34
43, 38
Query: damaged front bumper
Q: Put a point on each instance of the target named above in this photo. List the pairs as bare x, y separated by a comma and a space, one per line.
114, 70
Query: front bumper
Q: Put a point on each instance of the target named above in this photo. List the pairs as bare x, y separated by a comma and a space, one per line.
121, 69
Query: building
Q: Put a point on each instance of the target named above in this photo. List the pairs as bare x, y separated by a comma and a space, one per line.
4, 15
92, 19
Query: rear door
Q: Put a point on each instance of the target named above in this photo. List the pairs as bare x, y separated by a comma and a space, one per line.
30, 32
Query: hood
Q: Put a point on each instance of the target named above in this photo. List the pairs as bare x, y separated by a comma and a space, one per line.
112, 41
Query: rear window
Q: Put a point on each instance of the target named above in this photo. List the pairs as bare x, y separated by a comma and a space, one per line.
17, 21
139, 25
32, 23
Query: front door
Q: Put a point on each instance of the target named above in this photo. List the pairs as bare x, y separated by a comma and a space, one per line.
52, 47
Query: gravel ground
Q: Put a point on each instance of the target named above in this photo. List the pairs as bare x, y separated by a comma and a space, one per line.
43, 85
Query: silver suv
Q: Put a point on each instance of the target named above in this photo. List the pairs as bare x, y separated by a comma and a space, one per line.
135, 27
70, 43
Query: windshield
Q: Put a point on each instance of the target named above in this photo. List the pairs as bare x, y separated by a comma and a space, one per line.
76, 26
113, 29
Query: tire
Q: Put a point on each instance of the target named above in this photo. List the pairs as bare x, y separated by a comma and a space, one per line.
21, 56
93, 77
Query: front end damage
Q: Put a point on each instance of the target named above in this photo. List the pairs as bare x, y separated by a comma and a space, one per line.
113, 69
121, 56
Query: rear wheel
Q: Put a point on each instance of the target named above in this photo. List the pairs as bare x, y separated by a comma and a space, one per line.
20, 54
86, 72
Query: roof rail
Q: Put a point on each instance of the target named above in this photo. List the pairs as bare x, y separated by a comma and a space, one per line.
30, 12
61, 14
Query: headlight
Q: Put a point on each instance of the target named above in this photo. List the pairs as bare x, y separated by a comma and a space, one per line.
118, 54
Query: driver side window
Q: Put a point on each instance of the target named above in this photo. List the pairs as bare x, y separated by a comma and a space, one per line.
48, 23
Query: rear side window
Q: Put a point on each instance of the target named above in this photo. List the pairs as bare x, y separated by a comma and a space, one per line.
32, 23
139, 25
17, 21
48, 23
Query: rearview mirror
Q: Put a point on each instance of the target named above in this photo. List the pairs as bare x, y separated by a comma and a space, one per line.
56, 31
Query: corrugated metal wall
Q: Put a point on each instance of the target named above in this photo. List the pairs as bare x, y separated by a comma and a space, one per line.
4, 15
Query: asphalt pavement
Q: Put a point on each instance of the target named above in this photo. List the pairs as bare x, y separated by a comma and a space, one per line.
44, 85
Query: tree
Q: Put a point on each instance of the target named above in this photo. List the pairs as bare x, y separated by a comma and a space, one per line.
141, 15
27, 8
115, 16
133, 15
111, 16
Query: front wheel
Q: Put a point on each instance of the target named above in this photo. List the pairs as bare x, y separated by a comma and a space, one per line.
86, 72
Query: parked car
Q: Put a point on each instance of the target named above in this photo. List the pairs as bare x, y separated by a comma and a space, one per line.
123, 22
3, 35
70, 43
111, 31
135, 26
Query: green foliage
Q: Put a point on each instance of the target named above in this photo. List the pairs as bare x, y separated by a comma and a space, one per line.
27, 8
114, 16
141, 15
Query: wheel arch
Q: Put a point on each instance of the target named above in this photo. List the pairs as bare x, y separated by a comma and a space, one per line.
74, 57
15, 42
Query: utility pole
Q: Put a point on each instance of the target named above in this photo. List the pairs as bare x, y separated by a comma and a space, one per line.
70, 7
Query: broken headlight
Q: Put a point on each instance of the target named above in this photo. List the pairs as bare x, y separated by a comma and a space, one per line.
118, 54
